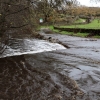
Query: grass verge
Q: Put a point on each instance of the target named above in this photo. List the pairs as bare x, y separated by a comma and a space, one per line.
65, 32
69, 33
95, 24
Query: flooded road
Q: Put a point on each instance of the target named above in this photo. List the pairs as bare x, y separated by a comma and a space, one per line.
17, 47
51, 75
81, 62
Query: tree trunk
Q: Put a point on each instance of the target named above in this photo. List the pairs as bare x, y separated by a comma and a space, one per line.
46, 18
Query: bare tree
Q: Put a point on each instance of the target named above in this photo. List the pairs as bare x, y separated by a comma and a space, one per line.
46, 7
16, 16
19, 16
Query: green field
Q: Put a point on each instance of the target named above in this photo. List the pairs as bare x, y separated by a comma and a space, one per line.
80, 21
93, 25
65, 32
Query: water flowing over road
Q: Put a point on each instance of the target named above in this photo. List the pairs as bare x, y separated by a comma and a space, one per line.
28, 46
51, 75
81, 61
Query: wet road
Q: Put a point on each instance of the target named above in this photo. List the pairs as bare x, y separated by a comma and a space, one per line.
46, 76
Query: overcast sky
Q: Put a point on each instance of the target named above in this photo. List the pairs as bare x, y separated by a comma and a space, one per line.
88, 3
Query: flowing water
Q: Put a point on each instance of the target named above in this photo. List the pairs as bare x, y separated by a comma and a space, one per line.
51, 75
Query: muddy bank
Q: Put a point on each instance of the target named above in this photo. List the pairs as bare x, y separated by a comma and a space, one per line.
21, 81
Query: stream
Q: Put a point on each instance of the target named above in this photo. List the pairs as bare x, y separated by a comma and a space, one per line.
63, 74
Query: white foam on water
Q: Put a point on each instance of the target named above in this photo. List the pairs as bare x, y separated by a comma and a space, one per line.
32, 46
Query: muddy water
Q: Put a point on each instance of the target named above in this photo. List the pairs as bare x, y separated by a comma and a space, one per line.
51, 75
81, 62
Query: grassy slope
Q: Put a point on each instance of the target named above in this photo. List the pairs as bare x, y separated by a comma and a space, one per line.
80, 20
94, 25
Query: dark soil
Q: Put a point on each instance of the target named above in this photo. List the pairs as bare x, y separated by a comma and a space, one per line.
21, 81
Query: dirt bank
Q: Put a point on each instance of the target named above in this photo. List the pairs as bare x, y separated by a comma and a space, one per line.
22, 81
